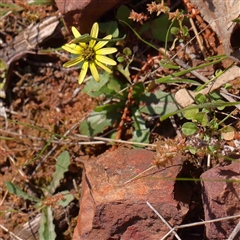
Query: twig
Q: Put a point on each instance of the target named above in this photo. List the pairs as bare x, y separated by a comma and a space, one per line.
199, 223
162, 218
104, 140
235, 231
12, 234
197, 36
99, 140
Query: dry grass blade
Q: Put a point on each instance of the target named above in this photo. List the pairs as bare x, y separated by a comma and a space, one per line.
235, 232
200, 223
12, 234
162, 218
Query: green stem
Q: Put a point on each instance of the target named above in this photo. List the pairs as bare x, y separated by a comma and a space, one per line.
166, 39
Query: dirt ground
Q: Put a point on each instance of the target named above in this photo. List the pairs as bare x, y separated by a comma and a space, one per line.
42, 99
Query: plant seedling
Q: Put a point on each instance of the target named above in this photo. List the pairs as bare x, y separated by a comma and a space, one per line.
46, 228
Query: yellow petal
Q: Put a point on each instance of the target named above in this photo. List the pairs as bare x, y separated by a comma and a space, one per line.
105, 60
105, 51
94, 34
94, 71
72, 48
75, 32
83, 72
73, 62
82, 45
101, 44
103, 67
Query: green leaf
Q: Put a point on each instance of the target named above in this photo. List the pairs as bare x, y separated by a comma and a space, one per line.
124, 71
158, 103
192, 150
14, 189
168, 64
97, 121
190, 114
189, 128
93, 88
202, 118
68, 197
140, 133
138, 90
185, 31
127, 51
237, 20
140, 136
121, 59
215, 95
213, 124
159, 28
228, 86
123, 13
174, 30
200, 98
40, 2
63, 161
109, 107
110, 27
115, 86
47, 229
220, 107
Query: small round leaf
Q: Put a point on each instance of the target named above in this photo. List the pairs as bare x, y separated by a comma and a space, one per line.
202, 118
190, 113
189, 128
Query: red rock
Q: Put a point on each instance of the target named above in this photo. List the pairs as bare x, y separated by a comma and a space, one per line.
221, 199
112, 209
82, 14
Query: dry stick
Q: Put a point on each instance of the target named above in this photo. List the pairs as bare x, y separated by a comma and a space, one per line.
197, 37
162, 218
99, 140
12, 234
104, 140
199, 223
235, 231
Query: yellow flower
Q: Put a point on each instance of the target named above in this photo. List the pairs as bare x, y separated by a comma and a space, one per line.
92, 53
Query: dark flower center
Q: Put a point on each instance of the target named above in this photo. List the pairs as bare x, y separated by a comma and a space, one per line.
88, 54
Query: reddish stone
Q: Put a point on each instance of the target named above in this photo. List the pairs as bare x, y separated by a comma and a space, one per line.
220, 195
82, 14
110, 208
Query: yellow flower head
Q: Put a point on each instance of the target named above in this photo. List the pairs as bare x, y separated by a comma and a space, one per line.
92, 53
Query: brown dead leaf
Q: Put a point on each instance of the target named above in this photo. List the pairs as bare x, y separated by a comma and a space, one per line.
185, 97
219, 14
